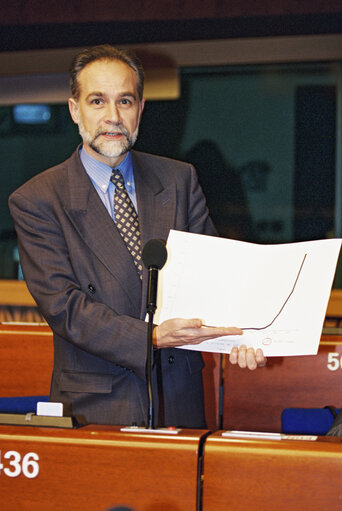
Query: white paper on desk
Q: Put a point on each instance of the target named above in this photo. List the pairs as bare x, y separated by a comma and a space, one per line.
277, 293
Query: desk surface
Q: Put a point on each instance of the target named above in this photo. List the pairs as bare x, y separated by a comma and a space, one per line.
271, 475
98, 467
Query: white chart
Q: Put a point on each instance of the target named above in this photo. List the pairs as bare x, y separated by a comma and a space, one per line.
278, 294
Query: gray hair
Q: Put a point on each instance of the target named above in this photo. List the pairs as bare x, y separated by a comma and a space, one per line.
104, 52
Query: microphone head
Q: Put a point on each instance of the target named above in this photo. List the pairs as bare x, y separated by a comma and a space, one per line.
154, 254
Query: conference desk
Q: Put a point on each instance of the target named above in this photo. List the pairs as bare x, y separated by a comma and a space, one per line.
252, 399
98, 467
272, 475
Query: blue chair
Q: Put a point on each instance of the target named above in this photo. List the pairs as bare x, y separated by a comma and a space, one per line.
20, 404
308, 421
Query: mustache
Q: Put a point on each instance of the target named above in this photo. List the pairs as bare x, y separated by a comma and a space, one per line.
118, 129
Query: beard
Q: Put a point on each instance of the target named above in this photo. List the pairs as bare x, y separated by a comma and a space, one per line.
109, 148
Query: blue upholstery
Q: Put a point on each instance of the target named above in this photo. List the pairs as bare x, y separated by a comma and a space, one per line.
20, 404
307, 421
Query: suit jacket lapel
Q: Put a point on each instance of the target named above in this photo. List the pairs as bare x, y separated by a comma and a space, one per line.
156, 204
156, 207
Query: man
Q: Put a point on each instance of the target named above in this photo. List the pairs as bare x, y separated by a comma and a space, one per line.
90, 285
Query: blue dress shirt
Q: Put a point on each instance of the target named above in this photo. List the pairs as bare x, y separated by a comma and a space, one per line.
100, 174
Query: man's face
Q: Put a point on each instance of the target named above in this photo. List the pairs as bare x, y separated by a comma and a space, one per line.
108, 110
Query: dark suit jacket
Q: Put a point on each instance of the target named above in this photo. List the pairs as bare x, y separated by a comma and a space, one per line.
83, 279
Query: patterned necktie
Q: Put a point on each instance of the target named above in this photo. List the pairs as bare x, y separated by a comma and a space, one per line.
126, 219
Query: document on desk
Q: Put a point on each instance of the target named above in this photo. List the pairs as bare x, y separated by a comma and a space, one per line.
278, 294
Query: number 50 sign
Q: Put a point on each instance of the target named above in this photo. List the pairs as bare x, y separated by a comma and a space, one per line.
334, 361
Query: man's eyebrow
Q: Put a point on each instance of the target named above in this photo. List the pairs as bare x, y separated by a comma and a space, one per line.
121, 95
96, 94
128, 94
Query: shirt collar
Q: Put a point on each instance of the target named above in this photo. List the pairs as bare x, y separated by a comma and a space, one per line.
100, 173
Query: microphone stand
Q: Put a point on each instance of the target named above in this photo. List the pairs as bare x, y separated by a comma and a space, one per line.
149, 365
221, 390
151, 308
154, 256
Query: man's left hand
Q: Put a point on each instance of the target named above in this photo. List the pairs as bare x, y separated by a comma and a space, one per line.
247, 357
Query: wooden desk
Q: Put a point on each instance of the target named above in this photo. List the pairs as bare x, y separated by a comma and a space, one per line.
254, 400
97, 467
271, 475
26, 359
15, 292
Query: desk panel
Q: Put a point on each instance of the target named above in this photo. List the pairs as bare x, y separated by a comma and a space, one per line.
97, 467
272, 475
254, 400
26, 359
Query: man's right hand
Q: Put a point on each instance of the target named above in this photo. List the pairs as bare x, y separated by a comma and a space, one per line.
179, 332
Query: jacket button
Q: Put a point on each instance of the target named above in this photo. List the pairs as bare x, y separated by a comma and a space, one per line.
91, 288
171, 359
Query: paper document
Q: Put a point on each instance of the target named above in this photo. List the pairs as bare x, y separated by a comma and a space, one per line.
278, 294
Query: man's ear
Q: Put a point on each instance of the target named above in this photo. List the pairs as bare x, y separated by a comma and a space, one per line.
73, 109
142, 105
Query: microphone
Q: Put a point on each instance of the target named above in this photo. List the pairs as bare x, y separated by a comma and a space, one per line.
154, 257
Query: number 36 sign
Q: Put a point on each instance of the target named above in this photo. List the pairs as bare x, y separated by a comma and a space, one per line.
13, 465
